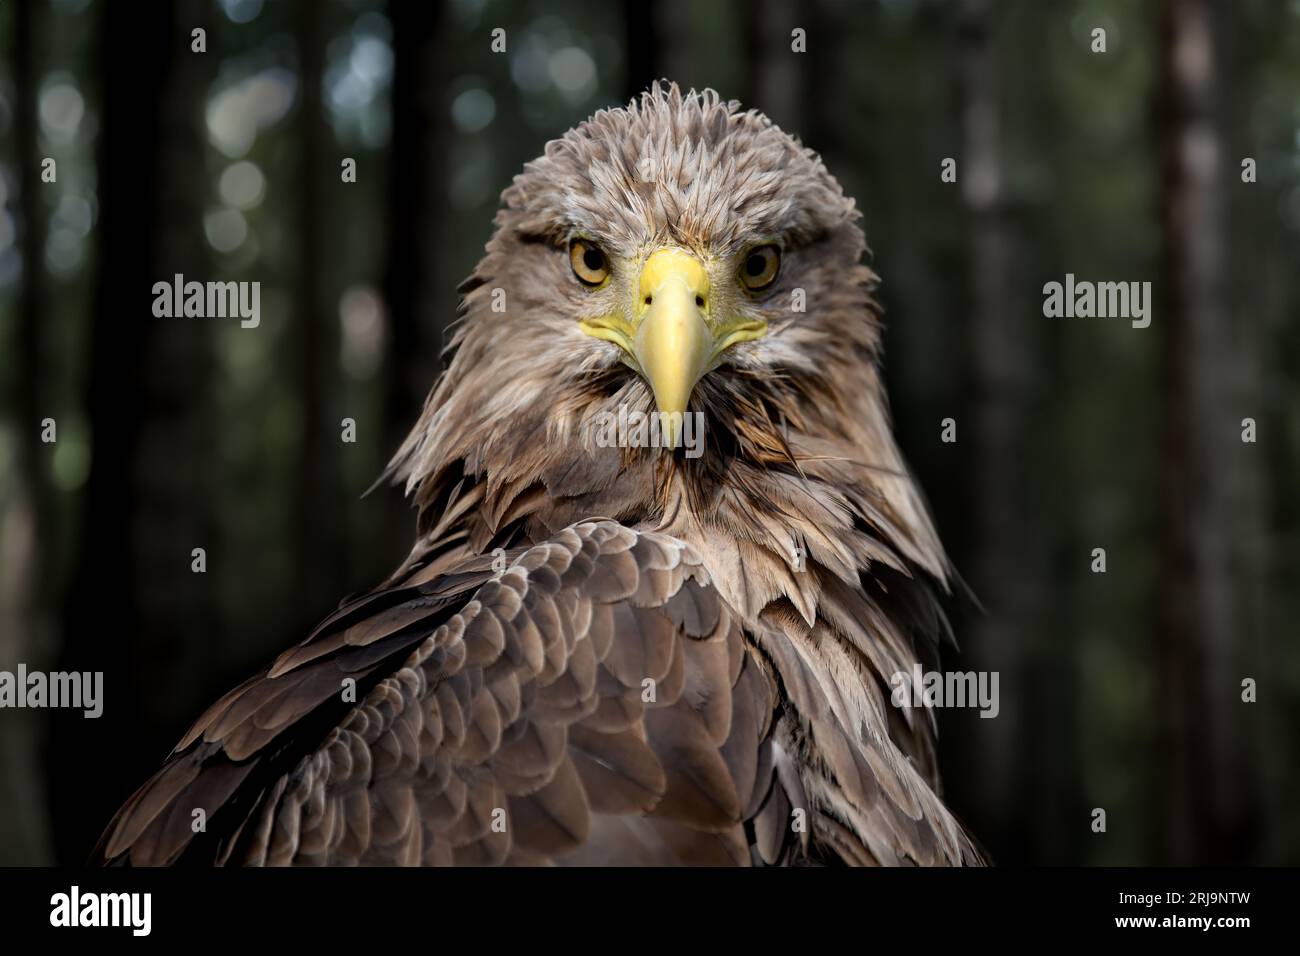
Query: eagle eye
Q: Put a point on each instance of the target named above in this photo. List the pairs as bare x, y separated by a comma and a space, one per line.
589, 263
760, 268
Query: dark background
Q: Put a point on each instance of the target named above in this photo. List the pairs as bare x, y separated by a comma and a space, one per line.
1119, 690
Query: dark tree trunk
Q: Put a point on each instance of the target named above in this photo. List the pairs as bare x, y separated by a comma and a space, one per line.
26, 529
421, 302
816, 124
1005, 562
319, 567
1197, 684
1256, 316
32, 399
772, 77
641, 42
669, 27
174, 476
101, 622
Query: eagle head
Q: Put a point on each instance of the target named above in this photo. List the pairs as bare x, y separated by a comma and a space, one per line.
677, 257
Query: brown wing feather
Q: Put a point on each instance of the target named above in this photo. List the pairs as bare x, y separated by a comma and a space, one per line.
596, 702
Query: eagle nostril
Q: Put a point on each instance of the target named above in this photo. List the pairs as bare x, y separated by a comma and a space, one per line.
699, 300
649, 299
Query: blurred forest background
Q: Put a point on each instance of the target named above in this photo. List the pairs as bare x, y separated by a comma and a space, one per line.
1119, 690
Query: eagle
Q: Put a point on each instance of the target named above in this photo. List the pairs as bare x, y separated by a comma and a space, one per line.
604, 649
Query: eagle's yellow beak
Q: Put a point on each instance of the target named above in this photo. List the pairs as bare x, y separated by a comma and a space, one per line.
673, 343
672, 332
